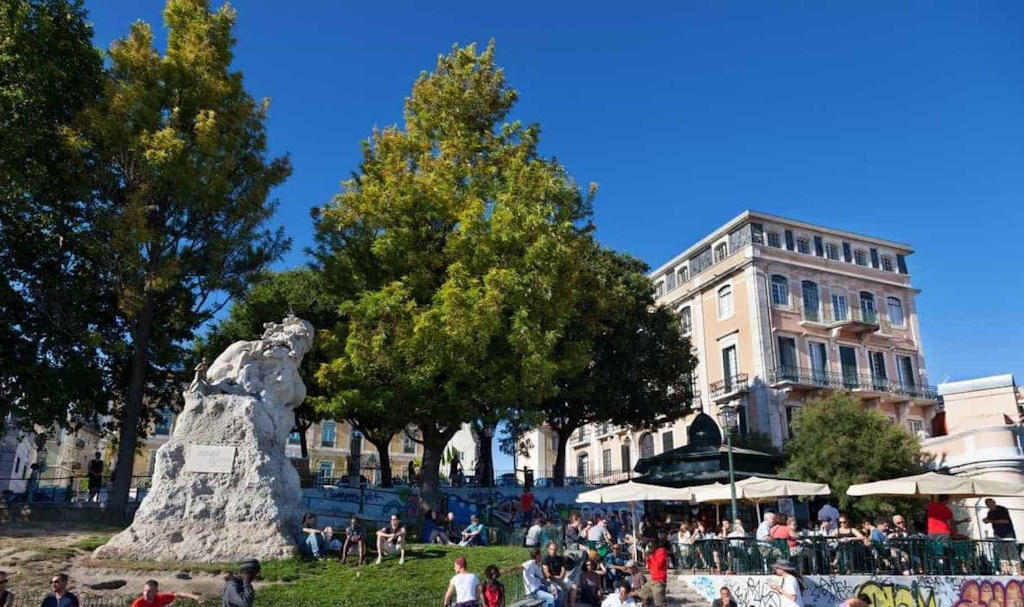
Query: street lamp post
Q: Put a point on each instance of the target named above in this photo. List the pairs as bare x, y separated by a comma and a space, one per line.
728, 417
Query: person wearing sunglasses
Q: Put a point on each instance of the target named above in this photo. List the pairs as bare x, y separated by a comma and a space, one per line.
60, 597
6, 596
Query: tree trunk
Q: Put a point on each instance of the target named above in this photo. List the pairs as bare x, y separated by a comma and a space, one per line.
434, 442
303, 427
132, 410
384, 457
486, 437
558, 473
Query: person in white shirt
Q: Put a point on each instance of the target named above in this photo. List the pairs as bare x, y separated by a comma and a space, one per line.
597, 532
829, 514
620, 598
533, 579
789, 587
533, 534
764, 529
465, 586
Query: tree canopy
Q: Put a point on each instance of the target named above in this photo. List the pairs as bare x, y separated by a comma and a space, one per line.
464, 243
838, 441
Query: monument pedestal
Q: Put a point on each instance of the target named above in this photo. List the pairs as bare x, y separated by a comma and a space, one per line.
222, 490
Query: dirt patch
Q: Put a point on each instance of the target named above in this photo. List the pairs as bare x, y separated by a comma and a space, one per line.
32, 553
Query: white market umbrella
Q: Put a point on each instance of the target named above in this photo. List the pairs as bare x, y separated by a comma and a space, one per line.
633, 492
933, 483
758, 489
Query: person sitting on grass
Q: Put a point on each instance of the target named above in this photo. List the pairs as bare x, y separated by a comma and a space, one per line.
473, 535
317, 540
464, 586
152, 597
494, 590
60, 597
354, 537
391, 539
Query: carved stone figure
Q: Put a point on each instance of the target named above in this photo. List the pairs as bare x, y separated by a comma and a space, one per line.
222, 487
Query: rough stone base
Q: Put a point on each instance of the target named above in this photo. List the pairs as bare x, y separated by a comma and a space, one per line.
253, 511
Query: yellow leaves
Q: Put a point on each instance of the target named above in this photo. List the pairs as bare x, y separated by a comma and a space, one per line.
162, 147
206, 130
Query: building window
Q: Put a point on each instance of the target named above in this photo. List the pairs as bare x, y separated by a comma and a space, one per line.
355, 442
895, 311
582, 466
685, 320
887, 263
780, 290
725, 302
774, 241
294, 439
905, 368
790, 416
326, 469
860, 257
626, 458
832, 250
646, 445
916, 426
659, 288
667, 441
152, 462
554, 442
670, 281
606, 461
684, 274
803, 246
408, 445
162, 427
867, 307
840, 308
812, 308
328, 432
721, 252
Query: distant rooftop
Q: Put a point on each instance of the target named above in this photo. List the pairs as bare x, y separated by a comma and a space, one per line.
973, 385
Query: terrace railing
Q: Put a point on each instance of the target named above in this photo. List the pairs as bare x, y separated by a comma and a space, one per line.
734, 383
916, 555
856, 382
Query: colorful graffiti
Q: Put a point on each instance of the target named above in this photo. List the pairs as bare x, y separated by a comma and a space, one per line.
984, 593
897, 594
884, 591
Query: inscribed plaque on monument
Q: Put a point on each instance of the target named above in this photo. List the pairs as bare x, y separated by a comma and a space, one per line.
209, 458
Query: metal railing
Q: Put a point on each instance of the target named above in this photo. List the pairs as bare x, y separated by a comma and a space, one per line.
66, 490
735, 383
854, 382
918, 555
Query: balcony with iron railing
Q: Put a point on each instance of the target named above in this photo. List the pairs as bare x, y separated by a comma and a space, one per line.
729, 388
796, 378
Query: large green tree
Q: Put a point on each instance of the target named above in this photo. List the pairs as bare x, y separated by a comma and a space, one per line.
836, 440
270, 298
638, 363
179, 153
54, 314
462, 241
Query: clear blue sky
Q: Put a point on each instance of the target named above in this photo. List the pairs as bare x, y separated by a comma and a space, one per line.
901, 120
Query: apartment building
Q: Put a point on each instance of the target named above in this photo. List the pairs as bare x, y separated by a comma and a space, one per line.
779, 311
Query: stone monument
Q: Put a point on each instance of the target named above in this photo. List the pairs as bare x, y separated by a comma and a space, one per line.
223, 489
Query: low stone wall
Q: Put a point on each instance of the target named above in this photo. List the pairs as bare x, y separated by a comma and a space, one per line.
885, 591
65, 513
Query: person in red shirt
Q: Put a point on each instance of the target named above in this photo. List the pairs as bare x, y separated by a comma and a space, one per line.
657, 563
526, 503
940, 517
152, 597
784, 530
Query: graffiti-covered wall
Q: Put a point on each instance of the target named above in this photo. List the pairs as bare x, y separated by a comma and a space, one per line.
885, 591
497, 506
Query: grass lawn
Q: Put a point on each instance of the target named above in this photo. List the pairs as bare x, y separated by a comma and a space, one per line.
421, 581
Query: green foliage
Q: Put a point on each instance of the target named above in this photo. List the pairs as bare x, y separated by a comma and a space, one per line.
462, 244
838, 441
179, 152
53, 312
635, 362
